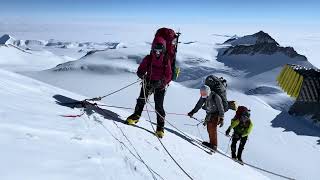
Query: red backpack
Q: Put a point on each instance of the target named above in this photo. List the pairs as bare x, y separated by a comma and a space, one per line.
240, 111
171, 39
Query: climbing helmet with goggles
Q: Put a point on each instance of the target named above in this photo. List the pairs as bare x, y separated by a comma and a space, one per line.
159, 48
205, 91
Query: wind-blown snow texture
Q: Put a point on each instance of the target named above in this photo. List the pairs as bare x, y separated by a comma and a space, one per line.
83, 146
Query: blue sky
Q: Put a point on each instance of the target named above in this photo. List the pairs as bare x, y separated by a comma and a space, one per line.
166, 10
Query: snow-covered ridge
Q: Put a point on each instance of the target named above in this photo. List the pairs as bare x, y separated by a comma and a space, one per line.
110, 61
258, 43
262, 48
257, 38
6, 39
258, 53
27, 44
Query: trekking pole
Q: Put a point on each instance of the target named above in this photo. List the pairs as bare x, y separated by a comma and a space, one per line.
197, 119
228, 145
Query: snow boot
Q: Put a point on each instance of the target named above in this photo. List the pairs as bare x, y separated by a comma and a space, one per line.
239, 158
133, 119
209, 145
159, 132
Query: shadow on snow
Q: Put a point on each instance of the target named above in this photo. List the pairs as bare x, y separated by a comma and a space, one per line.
298, 125
89, 109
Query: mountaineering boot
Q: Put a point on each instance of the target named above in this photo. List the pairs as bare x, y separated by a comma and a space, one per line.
239, 156
159, 132
133, 119
209, 145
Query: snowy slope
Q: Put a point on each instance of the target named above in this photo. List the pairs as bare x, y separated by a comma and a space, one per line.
276, 138
38, 143
16, 59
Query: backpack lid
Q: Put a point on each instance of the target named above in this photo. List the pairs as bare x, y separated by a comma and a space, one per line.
242, 111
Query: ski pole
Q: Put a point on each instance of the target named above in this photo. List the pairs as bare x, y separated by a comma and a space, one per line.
228, 145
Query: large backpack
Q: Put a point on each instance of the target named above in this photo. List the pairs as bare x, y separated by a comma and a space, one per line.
240, 111
217, 85
169, 35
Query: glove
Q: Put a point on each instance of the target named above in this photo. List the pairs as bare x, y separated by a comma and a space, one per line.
140, 75
228, 131
190, 114
205, 122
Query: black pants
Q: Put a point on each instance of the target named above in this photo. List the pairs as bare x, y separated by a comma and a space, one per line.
235, 139
158, 99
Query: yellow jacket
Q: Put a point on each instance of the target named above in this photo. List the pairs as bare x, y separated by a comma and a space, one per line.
242, 129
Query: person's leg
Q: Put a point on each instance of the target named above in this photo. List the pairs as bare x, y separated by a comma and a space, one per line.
212, 131
133, 118
159, 99
141, 101
234, 147
243, 141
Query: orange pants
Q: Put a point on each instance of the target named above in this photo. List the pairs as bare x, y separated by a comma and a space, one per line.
212, 130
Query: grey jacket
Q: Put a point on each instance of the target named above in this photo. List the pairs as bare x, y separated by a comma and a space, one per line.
212, 105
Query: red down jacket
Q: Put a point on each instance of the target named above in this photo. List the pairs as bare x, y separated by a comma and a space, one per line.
156, 68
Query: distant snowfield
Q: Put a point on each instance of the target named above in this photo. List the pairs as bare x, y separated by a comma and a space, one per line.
82, 145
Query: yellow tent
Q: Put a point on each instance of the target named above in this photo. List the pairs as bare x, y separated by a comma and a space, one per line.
300, 82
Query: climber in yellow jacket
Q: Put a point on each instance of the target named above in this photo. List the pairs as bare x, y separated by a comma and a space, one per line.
242, 126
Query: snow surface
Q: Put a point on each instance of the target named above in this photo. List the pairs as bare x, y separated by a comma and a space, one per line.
276, 142
38, 143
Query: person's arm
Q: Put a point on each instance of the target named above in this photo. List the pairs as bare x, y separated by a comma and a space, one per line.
248, 131
143, 67
234, 123
198, 106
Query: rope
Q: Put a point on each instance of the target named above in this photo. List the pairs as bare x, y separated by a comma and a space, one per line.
201, 121
128, 108
139, 157
261, 169
145, 99
228, 146
99, 98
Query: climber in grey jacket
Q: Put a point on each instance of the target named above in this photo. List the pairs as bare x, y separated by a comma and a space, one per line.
215, 113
